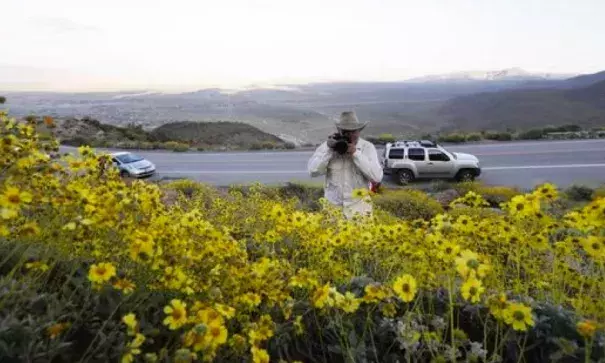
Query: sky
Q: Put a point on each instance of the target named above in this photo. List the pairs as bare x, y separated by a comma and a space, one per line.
184, 44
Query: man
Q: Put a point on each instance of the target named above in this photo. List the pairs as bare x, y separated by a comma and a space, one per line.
357, 167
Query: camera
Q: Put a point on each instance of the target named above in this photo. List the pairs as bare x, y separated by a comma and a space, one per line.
340, 143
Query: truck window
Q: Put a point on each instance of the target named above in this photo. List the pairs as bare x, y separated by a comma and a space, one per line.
396, 154
416, 154
436, 155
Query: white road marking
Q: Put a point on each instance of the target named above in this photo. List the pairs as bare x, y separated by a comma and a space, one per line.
235, 172
511, 167
563, 166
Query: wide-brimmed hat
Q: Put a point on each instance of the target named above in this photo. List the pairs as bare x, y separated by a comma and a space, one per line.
349, 122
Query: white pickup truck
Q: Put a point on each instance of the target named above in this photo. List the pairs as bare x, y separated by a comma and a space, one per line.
421, 159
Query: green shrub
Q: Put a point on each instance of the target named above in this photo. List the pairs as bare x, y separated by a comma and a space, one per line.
494, 195
579, 193
308, 194
475, 136
176, 146
384, 138
2, 100
534, 134
189, 188
290, 146
453, 138
498, 136
408, 204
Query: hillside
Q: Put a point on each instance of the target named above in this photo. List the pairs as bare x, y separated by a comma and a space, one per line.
528, 108
177, 135
216, 135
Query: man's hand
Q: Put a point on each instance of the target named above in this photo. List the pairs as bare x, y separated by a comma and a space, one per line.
352, 148
331, 142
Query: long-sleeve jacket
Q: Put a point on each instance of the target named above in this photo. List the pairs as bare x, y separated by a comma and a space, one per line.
345, 173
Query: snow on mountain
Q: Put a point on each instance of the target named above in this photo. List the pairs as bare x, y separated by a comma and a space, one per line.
509, 74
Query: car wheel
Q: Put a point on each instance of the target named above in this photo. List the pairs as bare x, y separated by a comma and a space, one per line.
465, 175
405, 176
124, 174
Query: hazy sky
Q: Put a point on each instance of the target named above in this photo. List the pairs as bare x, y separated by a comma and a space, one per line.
189, 43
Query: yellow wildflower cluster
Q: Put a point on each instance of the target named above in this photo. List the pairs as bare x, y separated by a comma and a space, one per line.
242, 266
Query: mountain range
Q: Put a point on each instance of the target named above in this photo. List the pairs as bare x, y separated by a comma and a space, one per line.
510, 98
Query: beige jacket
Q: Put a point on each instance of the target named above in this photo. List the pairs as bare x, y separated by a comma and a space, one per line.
345, 173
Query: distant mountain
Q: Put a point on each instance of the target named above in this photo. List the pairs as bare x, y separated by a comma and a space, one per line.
509, 74
526, 108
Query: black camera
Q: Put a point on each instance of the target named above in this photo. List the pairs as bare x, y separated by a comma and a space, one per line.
341, 142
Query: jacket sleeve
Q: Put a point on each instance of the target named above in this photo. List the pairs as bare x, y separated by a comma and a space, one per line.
318, 164
367, 162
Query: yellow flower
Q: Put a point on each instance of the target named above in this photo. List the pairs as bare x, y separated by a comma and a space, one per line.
518, 316
217, 335
102, 272
14, 198
176, 314
594, 247
259, 355
320, 296
360, 193
131, 322
472, 290
374, 293
56, 329
125, 285
8, 213
586, 328
405, 287
497, 306
350, 303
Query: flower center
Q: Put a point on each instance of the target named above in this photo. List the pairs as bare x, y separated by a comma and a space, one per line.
518, 315
405, 288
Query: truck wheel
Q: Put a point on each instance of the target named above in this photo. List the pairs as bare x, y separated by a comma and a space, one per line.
405, 176
465, 175
124, 174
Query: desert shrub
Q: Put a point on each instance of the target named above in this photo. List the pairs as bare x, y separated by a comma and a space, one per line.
475, 136
307, 194
453, 138
290, 146
579, 193
256, 146
408, 204
176, 146
385, 138
534, 134
498, 136
494, 195
2, 100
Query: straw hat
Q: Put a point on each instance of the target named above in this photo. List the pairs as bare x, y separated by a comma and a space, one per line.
349, 122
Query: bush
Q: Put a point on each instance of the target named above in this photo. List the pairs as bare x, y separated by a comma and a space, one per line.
290, 146
386, 138
408, 204
2, 100
534, 134
176, 146
474, 137
494, 195
452, 138
498, 136
579, 193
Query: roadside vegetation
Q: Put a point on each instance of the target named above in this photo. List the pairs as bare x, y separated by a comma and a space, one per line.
97, 268
565, 132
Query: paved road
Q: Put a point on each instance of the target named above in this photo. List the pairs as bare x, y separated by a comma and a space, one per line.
523, 164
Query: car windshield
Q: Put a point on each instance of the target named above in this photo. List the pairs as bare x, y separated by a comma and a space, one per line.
453, 154
128, 158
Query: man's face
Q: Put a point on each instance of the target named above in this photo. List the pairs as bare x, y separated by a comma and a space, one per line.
353, 135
